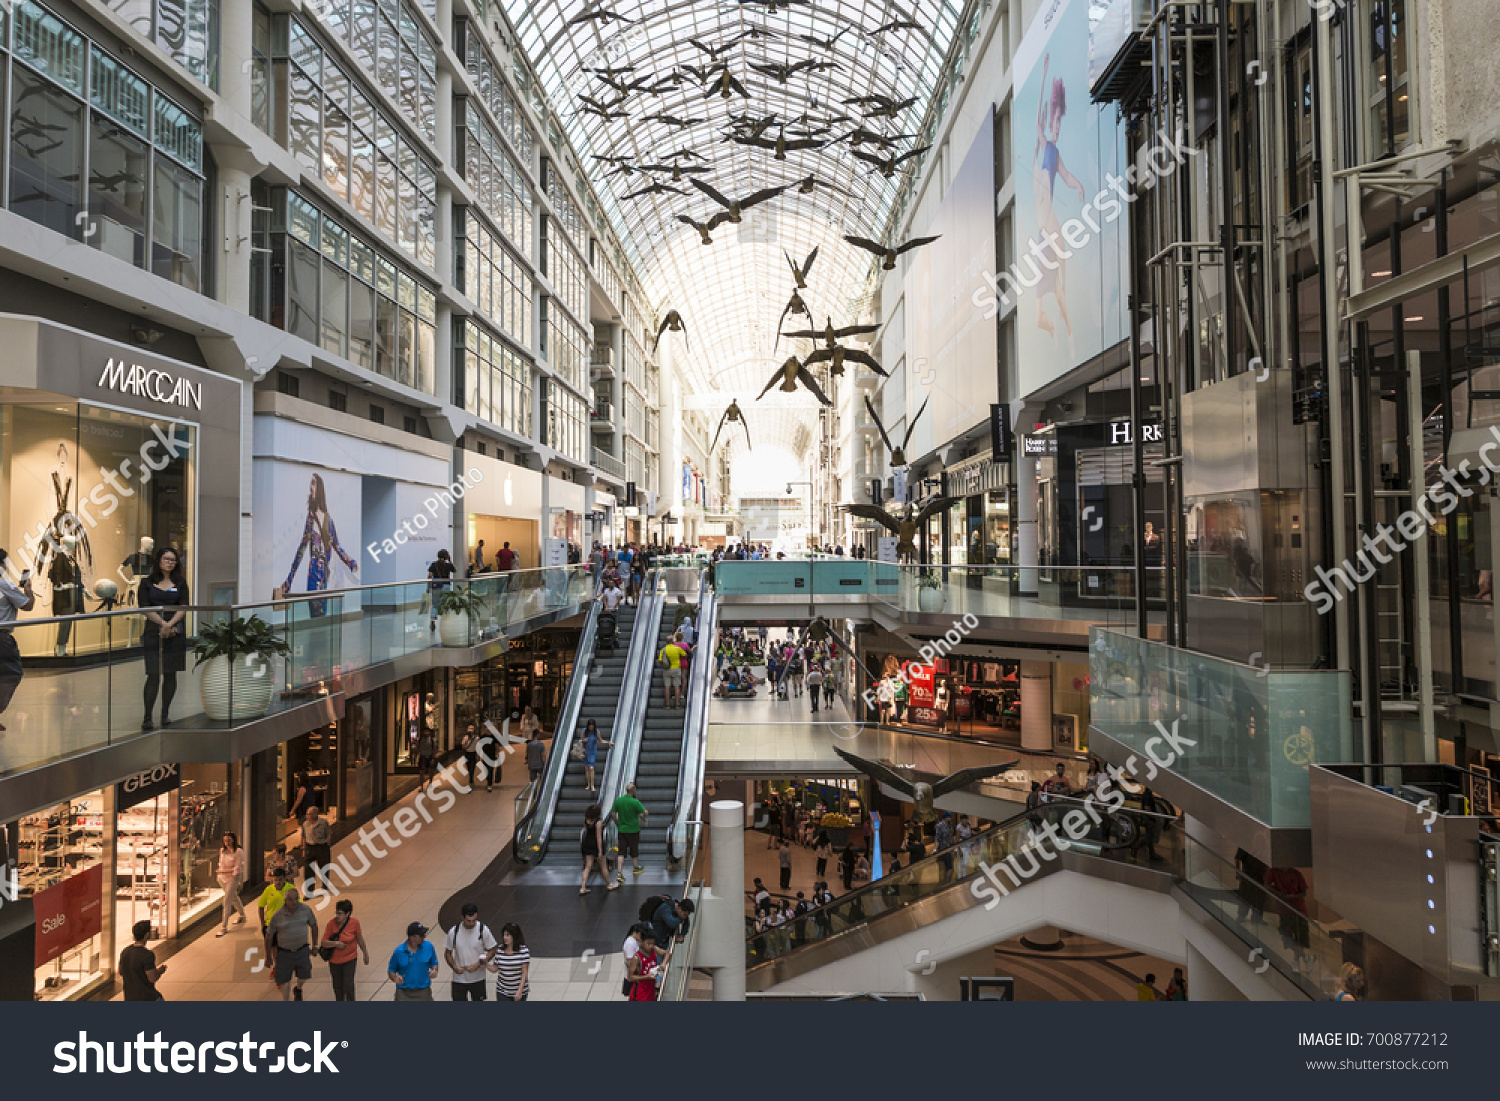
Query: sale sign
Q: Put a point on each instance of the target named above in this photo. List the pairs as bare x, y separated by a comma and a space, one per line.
919, 678
68, 913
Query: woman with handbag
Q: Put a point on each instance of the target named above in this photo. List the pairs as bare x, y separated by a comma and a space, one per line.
343, 940
231, 874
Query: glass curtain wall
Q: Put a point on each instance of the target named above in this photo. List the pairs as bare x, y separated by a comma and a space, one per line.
98, 154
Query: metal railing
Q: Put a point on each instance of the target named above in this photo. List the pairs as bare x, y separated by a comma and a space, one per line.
635, 696
606, 462
695, 725
533, 827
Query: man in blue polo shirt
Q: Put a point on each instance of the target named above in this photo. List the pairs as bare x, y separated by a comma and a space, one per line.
413, 966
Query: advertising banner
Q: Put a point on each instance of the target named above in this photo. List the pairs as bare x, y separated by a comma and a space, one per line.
68, 913
1070, 266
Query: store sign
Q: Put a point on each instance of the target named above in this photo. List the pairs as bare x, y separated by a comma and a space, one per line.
147, 784
68, 913
151, 384
974, 478
1038, 445
1119, 432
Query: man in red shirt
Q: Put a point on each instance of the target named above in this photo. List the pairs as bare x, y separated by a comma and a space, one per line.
505, 558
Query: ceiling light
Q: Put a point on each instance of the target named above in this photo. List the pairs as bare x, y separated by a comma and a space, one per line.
1416, 317
1379, 274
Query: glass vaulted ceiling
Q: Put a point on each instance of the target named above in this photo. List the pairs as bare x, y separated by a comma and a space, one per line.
731, 293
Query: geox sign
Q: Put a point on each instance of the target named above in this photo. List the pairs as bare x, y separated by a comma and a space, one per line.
151, 384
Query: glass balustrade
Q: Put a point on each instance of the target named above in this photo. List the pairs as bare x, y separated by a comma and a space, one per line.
89, 690
1243, 733
1087, 594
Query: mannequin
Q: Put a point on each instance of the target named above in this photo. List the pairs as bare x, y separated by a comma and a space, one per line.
67, 597
135, 568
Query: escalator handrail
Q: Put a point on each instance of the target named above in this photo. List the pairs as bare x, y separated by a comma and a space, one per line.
873, 886
695, 723
531, 834
635, 696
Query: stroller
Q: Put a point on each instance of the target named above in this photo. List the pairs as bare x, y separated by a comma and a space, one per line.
605, 632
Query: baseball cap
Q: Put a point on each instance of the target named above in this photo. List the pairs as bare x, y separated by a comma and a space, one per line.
470, 908
416, 929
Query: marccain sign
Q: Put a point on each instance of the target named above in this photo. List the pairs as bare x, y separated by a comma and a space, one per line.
151, 384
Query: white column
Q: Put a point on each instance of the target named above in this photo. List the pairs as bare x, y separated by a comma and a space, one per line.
1026, 533
1036, 705
237, 167
722, 935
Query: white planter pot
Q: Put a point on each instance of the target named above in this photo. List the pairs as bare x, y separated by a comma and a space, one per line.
453, 629
930, 600
252, 693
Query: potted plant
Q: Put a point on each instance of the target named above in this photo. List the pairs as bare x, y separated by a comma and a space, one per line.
234, 667
929, 591
455, 608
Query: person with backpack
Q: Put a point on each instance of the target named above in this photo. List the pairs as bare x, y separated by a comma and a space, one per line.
591, 845
668, 917
467, 949
794, 671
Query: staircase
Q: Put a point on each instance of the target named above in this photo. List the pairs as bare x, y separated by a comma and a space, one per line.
600, 699
661, 754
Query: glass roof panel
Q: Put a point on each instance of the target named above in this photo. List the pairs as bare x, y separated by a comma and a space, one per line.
731, 293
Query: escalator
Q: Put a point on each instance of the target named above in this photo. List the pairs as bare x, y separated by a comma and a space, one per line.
600, 689
601, 699
660, 760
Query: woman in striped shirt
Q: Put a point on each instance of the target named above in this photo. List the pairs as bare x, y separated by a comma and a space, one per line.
512, 965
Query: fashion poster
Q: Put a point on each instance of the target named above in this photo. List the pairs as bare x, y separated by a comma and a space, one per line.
1069, 264
316, 524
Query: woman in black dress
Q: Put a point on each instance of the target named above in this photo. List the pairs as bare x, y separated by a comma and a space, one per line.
164, 638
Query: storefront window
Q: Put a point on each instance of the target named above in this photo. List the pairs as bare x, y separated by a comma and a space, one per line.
85, 512
309, 773
61, 863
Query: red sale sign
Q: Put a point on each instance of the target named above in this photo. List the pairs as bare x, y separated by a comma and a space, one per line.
68, 913
919, 678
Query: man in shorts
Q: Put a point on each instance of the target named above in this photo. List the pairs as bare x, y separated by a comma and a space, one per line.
629, 814
673, 654
291, 938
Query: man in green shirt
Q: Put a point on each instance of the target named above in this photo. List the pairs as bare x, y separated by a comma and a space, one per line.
628, 814
673, 654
